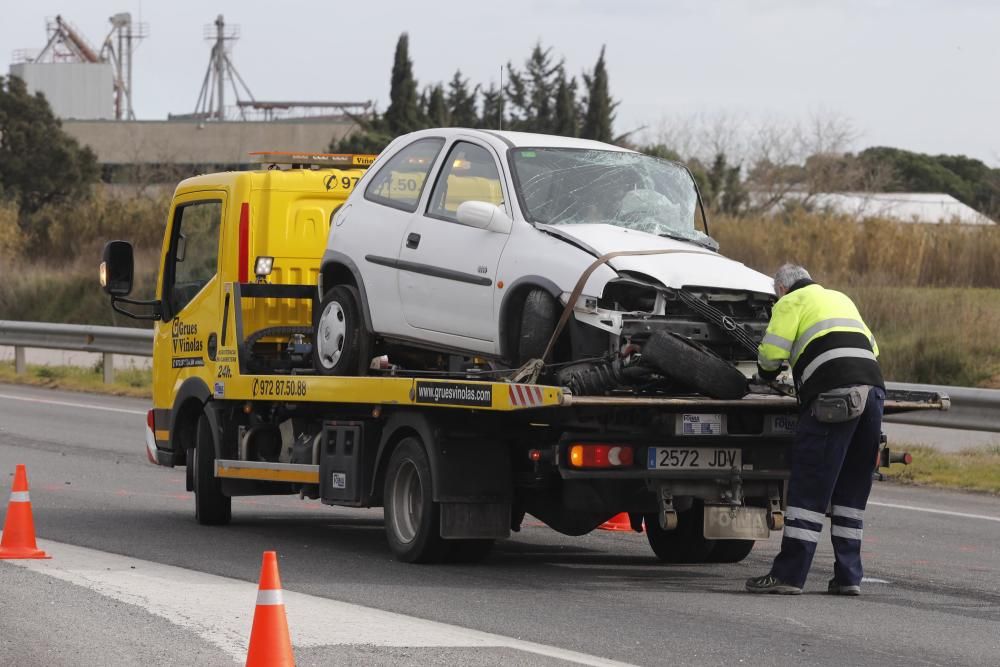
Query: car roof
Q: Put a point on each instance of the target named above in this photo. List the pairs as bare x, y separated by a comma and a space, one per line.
503, 139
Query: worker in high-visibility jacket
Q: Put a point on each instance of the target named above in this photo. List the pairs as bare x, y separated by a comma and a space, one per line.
840, 389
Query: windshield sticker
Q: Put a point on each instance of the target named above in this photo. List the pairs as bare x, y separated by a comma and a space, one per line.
455, 393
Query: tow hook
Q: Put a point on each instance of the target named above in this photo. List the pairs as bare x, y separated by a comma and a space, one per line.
668, 515
775, 517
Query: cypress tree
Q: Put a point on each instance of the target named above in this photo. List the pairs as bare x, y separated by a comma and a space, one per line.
435, 109
600, 107
492, 108
566, 122
461, 103
403, 114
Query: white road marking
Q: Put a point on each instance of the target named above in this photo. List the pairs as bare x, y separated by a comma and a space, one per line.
873, 580
87, 406
220, 609
931, 510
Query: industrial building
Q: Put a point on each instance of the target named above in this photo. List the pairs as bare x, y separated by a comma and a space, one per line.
90, 90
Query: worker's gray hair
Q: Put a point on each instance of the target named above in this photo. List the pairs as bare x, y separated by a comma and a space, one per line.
788, 275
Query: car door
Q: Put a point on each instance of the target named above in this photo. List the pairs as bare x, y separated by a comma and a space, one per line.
370, 230
447, 270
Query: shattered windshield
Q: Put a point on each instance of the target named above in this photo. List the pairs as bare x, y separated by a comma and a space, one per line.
568, 186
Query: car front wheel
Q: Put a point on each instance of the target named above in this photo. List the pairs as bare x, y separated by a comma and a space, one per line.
340, 343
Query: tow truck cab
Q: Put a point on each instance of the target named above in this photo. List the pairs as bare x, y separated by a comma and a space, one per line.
232, 227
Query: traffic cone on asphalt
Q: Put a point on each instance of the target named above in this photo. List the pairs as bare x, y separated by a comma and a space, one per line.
619, 522
18, 539
270, 645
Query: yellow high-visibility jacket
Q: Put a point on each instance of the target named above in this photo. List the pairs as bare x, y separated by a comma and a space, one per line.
821, 334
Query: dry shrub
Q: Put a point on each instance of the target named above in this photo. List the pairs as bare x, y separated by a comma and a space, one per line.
836, 249
13, 241
80, 229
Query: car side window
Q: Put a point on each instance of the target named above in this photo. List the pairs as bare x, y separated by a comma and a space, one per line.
401, 181
194, 251
469, 174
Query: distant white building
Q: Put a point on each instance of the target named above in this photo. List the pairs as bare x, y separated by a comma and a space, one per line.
921, 207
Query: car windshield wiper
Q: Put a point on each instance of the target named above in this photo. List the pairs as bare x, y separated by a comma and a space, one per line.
707, 242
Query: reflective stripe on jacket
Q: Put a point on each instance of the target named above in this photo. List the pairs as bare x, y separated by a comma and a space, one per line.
822, 336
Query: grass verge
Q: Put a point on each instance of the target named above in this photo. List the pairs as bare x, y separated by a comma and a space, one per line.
135, 382
969, 470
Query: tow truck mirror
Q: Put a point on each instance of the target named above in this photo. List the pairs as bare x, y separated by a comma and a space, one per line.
483, 215
117, 268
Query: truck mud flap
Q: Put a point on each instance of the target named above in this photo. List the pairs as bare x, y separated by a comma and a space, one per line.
475, 520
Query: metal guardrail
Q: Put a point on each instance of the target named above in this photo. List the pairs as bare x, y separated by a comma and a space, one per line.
971, 409
108, 341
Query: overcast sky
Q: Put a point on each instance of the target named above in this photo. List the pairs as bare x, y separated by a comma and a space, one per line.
915, 74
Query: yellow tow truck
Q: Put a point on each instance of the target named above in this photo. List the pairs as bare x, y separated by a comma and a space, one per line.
456, 458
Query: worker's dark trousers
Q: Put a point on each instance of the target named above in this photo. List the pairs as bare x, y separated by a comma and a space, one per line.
832, 465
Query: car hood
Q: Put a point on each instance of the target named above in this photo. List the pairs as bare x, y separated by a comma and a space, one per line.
685, 264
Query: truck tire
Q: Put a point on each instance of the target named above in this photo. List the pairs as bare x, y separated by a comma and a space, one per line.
211, 506
539, 317
684, 544
340, 343
694, 365
412, 518
731, 551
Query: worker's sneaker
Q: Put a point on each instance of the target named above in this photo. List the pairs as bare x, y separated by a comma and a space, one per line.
771, 584
833, 588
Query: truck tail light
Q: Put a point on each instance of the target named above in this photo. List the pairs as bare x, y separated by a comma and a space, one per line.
600, 455
244, 254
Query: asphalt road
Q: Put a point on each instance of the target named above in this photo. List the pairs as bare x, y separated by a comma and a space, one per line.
151, 586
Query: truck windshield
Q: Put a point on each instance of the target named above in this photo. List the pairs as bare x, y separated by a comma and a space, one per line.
566, 186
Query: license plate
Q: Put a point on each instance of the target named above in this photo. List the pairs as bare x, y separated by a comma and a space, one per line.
694, 458
738, 523
700, 425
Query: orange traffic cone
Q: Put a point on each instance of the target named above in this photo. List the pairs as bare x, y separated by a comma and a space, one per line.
19, 528
270, 645
619, 522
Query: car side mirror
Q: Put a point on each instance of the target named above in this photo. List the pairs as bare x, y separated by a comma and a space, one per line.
483, 215
117, 267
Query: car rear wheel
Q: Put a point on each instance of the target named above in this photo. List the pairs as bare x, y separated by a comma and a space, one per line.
340, 342
693, 365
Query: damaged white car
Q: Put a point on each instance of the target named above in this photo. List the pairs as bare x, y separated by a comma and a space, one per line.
580, 261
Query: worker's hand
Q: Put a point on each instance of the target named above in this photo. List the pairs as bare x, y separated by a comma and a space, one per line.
756, 379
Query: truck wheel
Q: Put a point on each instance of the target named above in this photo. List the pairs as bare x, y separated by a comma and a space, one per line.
211, 507
694, 365
731, 551
684, 544
340, 341
412, 518
539, 317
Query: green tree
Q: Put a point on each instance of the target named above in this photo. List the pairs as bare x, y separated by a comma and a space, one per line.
461, 102
403, 114
531, 93
566, 122
39, 163
600, 107
435, 108
492, 108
